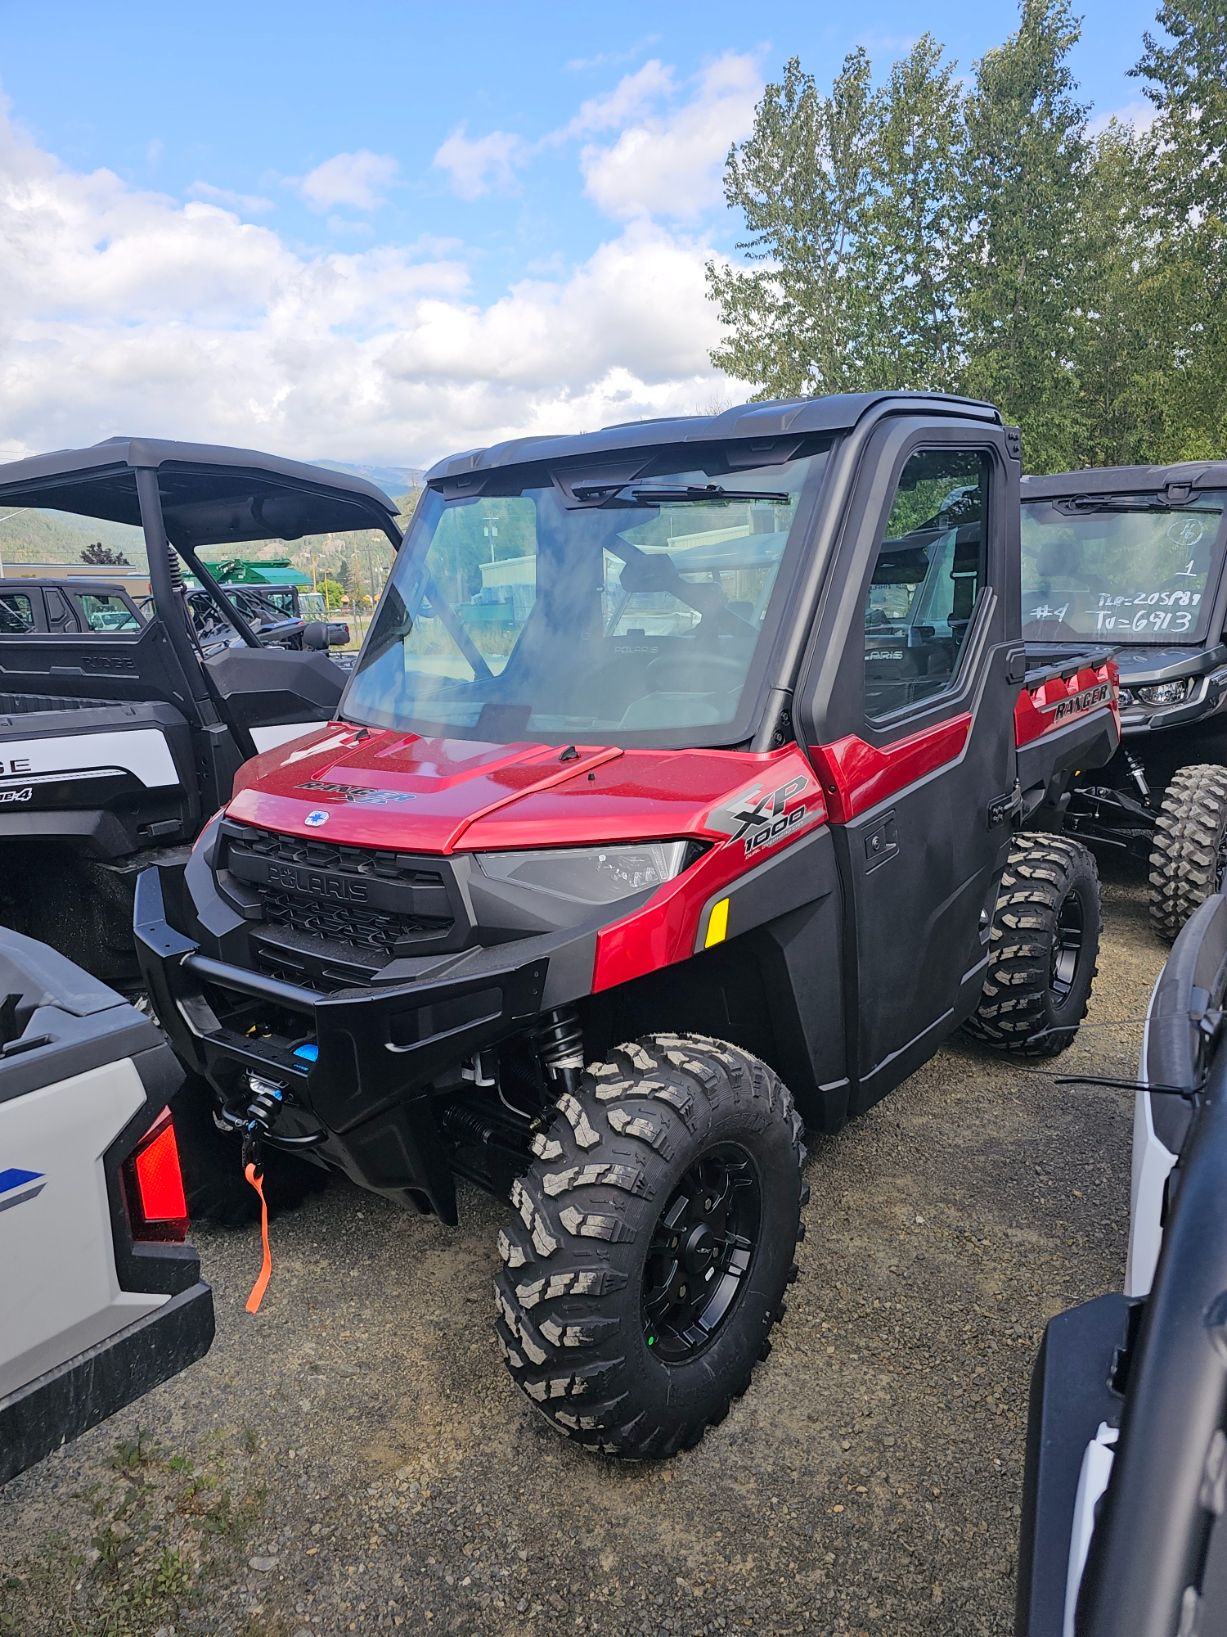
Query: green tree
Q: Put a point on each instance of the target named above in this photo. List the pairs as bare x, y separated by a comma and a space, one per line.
919, 234
847, 201
917, 160
1019, 244
345, 575
96, 552
1185, 77
333, 593
797, 322
1136, 287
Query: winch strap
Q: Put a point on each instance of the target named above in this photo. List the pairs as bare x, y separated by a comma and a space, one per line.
266, 1267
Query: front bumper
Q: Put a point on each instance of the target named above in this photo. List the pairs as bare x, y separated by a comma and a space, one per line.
85, 1390
1206, 698
363, 1104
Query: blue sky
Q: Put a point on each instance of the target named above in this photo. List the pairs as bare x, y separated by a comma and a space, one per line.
377, 231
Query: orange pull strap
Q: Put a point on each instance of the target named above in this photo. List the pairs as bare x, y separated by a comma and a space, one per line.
266, 1267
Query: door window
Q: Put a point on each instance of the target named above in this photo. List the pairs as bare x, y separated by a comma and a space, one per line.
928, 573
16, 614
105, 613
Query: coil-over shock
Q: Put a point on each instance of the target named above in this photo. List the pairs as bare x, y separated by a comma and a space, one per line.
559, 1041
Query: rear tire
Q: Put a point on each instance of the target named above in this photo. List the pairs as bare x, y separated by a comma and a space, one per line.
658, 1224
1042, 949
1189, 849
211, 1160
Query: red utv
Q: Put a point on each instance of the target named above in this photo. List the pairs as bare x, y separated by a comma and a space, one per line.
691, 788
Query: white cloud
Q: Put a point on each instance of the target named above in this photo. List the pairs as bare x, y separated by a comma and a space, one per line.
629, 98
356, 181
476, 165
670, 163
123, 310
249, 204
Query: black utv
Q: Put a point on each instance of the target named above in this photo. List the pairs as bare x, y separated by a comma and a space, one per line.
124, 722
1133, 556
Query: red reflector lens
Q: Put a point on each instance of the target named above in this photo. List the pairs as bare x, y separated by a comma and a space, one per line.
156, 1200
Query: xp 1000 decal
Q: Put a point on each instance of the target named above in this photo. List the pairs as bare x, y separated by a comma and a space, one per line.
764, 815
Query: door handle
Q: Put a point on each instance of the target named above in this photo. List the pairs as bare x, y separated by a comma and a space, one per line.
881, 843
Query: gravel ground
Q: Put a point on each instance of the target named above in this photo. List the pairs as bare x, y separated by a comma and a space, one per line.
356, 1459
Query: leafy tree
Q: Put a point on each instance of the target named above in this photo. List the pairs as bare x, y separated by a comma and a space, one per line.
333, 593
918, 158
96, 552
801, 180
1020, 242
1119, 403
1186, 80
846, 200
345, 574
914, 232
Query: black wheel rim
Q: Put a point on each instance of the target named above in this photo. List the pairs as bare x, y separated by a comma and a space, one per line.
700, 1253
1067, 947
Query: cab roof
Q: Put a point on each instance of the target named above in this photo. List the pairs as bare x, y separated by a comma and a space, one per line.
210, 493
1111, 480
781, 418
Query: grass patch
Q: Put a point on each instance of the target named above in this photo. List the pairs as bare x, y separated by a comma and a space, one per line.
158, 1525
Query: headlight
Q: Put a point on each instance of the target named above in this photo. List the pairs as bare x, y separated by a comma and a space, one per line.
1164, 693
594, 875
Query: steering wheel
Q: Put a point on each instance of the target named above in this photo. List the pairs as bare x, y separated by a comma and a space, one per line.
677, 673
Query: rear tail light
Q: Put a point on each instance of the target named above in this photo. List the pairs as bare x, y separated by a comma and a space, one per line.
153, 1184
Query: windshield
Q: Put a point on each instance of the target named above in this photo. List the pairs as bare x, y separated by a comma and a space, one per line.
1127, 571
566, 607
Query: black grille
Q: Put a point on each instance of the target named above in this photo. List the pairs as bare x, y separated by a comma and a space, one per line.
373, 903
349, 923
327, 855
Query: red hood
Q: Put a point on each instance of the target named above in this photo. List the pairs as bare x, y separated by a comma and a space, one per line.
391, 789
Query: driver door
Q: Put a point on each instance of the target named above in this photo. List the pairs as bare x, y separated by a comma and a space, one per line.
918, 753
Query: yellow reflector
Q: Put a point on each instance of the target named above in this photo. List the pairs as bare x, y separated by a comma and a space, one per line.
717, 924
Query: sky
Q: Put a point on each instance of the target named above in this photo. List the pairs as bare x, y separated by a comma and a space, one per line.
381, 232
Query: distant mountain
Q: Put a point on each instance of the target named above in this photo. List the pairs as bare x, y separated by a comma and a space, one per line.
37, 536
393, 480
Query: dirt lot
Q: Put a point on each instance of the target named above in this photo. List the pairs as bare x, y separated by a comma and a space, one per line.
356, 1459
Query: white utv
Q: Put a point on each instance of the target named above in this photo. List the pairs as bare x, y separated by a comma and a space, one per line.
100, 1294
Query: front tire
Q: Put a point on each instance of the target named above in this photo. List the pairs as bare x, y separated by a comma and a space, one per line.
658, 1225
1189, 850
1043, 946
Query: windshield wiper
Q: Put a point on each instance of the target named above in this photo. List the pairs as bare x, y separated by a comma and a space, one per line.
1165, 502
673, 494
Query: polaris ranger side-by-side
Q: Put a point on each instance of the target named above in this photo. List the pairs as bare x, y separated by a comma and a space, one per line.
1134, 556
122, 726
678, 796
